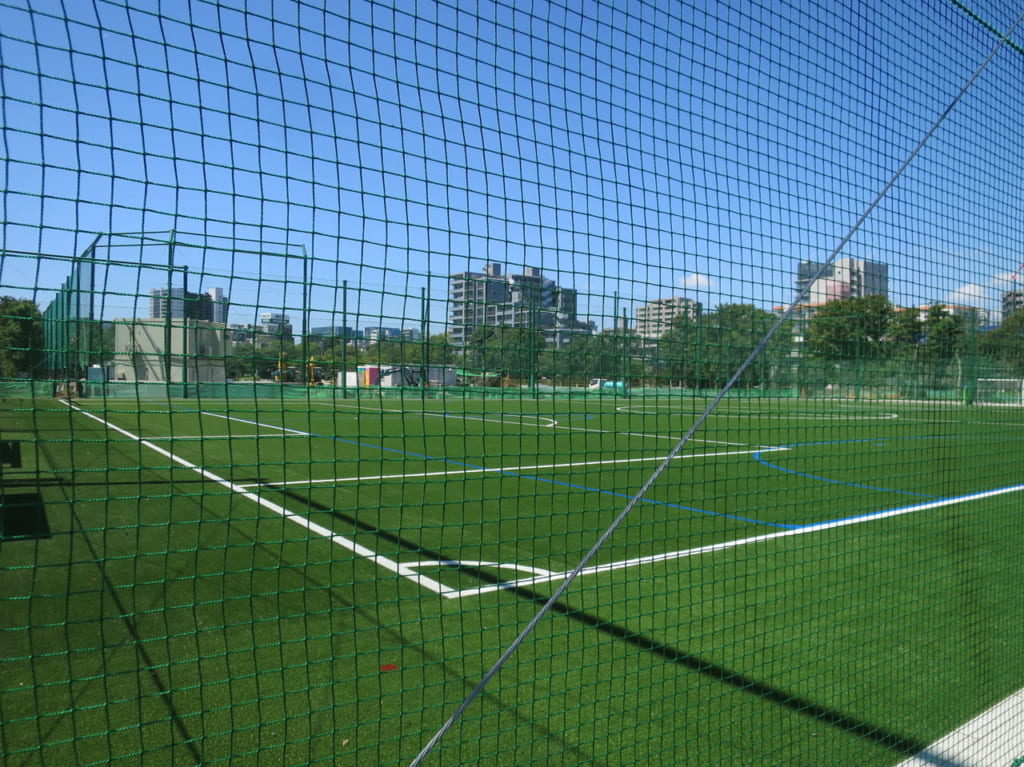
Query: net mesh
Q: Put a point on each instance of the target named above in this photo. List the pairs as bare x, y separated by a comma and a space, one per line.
334, 335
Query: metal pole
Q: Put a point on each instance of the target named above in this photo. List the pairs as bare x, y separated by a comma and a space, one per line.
306, 290
184, 333
89, 255
344, 340
168, 312
625, 355
425, 340
534, 312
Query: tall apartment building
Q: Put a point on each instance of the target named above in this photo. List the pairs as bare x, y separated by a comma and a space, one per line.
654, 319
220, 304
273, 326
377, 334
1013, 300
527, 300
844, 278
336, 331
179, 304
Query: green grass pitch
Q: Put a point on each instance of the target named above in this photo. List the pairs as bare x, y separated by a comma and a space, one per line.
298, 582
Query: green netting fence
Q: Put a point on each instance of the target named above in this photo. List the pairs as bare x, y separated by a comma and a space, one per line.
605, 383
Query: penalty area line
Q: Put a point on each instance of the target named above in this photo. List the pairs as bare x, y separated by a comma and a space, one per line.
503, 469
212, 437
670, 556
523, 420
304, 522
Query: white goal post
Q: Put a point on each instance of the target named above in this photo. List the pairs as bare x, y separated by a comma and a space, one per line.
1000, 391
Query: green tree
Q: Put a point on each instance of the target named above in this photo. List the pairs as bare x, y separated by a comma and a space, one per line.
92, 342
436, 350
440, 351
21, 338
1005, 344
242, 362
945, 337
503, 349
850, 329
733, 332
395, 351
708, 351
333, 354
906, 333
271, 354
677, 352
603, 355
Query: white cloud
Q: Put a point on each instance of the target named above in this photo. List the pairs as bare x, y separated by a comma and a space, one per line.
1003, 281
695, 282
967, 295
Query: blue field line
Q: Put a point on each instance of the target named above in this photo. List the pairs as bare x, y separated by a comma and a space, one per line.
535, 478
761, 460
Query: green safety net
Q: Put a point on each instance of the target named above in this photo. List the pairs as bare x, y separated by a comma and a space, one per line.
606, 383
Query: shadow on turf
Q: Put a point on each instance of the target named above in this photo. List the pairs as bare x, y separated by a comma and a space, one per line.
568, 748
894, 741
127, 617
23, 517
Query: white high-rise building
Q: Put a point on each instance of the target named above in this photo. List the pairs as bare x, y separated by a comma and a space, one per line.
220, 303
1013, 300
178, 303
527, 300
654, 319
844, 278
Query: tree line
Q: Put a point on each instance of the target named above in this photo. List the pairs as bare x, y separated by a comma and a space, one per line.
866, 340
844, 339
695, 352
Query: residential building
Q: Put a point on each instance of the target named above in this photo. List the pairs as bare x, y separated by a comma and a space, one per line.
241, 334
654, 319
375, 335
527, 300
843, 278
1012, 301
335, 331
274, 326
219, 305
179, 304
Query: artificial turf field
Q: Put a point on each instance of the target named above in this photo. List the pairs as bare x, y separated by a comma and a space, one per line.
324, 581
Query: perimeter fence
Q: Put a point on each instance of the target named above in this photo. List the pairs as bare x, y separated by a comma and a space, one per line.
489, 383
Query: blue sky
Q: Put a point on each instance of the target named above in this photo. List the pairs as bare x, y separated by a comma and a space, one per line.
631, 150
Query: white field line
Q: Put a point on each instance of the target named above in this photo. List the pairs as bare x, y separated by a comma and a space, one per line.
725, 545
994, 738
504, 469
553, 424
462, 417
781, 416
451, 593
298, 519
648, 436
215, 437
292, 432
